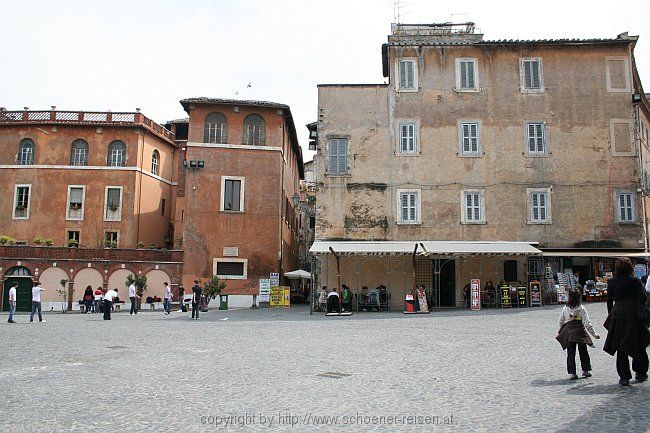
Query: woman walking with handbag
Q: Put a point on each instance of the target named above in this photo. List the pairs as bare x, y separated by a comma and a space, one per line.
626, 334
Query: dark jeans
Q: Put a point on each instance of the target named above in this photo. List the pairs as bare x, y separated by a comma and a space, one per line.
639, 364
107, 309
195, 309
36, 306
89, 305
96, 306
585, 362
134, 308
167, 305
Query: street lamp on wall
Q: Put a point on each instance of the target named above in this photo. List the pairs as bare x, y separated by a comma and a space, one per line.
296, 199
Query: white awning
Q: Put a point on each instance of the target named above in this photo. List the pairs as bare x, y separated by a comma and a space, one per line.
594, 253
294, 275
444, 248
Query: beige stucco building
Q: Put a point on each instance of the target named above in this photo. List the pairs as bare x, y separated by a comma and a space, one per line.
472, 140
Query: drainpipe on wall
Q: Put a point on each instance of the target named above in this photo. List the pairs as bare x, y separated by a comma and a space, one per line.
137, 233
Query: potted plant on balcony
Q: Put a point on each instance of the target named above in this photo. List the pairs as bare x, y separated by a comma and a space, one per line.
73, 243
38, 240
49, 242
113, 207
7, 240
140, 244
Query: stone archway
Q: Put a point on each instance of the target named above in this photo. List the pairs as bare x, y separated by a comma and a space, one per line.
155, 280
86, 277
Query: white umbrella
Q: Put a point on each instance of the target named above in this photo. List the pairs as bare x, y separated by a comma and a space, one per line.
298, 274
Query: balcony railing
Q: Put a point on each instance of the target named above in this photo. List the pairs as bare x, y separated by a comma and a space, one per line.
85, 118
123, 255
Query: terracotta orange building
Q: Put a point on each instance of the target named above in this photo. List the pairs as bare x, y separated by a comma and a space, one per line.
235, 216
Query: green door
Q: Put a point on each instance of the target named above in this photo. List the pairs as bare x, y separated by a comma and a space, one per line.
23, 293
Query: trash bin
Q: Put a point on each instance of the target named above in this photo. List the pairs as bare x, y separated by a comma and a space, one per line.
409, 303
223, 302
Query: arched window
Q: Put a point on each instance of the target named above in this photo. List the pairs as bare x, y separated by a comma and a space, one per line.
215, 128
26, 152
116, 154
254, 130
155, 162
79, 153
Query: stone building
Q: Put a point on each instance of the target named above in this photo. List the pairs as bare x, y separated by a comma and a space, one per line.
526, 146
75, 183
235, 215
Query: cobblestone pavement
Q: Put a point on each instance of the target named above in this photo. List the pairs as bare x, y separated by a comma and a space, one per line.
494, 370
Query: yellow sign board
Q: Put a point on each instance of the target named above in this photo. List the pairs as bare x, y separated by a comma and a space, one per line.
276, 298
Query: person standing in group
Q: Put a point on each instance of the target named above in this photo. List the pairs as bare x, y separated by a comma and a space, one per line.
132, 296
167, 298
88, 299
98, 300
627, 336
574, 324
12, 302
108, 303
196, 299
181, 294
36, 303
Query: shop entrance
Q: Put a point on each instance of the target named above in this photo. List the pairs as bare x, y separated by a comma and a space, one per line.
22, 276
444, 282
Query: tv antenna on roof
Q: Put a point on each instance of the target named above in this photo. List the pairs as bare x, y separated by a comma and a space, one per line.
397, 6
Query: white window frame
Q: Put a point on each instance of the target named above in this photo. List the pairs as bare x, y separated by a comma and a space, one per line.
230, 260
398, 87
612, 137
461, 137
83, 203
522, 75
122, 157
619, 216
418, 206
119, 210
416, 137
547, 193
463, 206
29, 200
459, 80
111, 231
72, 229
328, 171
527, 136
242, 192
155, 168
608, 82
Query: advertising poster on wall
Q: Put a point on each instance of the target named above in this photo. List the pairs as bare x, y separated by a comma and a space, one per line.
476, 294
265, 290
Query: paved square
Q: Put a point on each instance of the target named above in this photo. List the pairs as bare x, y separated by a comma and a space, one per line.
489, 371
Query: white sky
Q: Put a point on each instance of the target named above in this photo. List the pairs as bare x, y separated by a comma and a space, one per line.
119, 55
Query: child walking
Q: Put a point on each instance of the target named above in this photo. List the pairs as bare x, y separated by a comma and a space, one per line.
574, 324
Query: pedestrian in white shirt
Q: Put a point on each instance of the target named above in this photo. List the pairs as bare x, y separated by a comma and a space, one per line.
12, 302
167, 299
36, 303
132, 296
108, 303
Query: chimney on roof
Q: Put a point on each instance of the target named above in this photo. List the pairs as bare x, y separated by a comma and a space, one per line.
624, 35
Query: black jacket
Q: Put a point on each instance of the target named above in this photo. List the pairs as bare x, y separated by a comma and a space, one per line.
625, 332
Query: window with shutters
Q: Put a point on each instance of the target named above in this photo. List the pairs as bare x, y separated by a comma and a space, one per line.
466, 75
75, 208
116, 154
113, 204
408, 206
472, 207
155, 162
408, 142
625, 207
539, 204
232, 193
337, 149
470, 144
531, 75
254, 130
535, 138
26, 152
22, 195
215, 129
407, 78
230, 268
79, 153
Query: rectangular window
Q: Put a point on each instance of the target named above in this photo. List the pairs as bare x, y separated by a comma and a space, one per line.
110, 238
26, 155
469, 138
408, 206
466, 74
73, 235
531, 74
215, 133
535, 138
232, 195
625, 203
21, 202
473, 212
75, 202
230, 268
406, 75
113, 208
254, 135
79, 156
408, 140
116, 158
338, 156
539, 207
